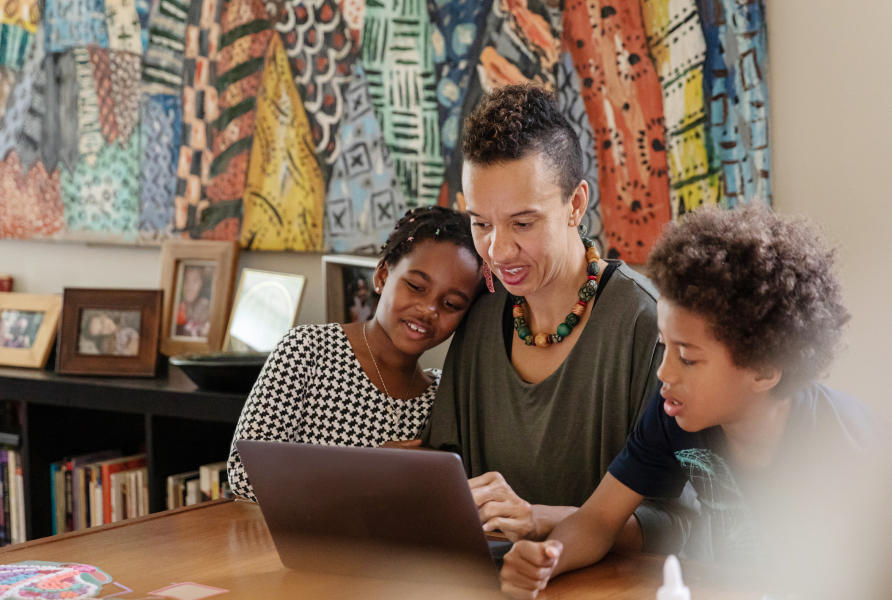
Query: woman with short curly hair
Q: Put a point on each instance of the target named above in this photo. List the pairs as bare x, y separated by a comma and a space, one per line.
547, 375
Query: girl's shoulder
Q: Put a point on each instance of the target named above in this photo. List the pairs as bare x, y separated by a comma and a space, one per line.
311, 339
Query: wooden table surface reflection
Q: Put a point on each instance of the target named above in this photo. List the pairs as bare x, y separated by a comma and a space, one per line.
227, 545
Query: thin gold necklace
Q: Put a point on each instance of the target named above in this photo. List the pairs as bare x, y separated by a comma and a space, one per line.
381, 377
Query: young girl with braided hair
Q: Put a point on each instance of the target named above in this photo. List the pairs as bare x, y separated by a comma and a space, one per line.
359, 384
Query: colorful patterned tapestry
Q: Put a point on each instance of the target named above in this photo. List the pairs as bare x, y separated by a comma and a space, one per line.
311, 125
285, 191
397, 58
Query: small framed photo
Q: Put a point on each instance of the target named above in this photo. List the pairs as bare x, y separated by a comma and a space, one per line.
28, 325
197, 277
266, 306
109, 332
349, 285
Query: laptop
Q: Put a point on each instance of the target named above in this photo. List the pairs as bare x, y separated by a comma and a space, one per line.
375, 512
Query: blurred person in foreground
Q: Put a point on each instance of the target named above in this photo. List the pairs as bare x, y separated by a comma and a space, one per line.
785, 468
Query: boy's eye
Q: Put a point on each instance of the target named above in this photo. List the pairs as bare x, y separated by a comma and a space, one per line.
522, 225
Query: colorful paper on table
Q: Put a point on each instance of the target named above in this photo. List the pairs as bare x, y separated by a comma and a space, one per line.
31, 580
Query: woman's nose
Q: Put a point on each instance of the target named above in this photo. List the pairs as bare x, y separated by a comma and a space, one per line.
499, 246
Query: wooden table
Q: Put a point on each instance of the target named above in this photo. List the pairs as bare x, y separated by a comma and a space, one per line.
227, 545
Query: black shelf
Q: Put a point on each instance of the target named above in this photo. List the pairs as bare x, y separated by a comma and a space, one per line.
176, 424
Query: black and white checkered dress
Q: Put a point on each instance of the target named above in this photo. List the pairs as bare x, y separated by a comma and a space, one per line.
313, 390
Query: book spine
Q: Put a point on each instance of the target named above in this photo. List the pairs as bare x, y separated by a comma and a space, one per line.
20, 493
9, 482
69, 498
204, 485
54, 467
4, 478
59, 486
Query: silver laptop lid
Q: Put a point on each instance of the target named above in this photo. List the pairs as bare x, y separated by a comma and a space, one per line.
374, 512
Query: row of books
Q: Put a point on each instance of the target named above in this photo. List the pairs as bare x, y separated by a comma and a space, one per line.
208, 482
97, 488
12, 515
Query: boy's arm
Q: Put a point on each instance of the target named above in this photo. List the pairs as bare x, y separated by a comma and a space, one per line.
583, 538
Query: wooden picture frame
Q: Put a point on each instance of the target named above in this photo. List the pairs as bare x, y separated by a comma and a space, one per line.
197, 324
26, 339
349, 287
109, 332
266, 306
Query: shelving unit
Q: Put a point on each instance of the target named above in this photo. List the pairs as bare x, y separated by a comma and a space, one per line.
177, 425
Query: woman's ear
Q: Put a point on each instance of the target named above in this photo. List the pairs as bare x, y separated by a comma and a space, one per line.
380, 277
578, 203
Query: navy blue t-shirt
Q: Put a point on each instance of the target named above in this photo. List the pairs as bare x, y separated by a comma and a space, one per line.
738, 509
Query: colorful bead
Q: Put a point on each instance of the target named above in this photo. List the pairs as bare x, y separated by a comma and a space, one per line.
586, 293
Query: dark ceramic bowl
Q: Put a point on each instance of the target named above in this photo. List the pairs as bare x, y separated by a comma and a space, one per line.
221, 371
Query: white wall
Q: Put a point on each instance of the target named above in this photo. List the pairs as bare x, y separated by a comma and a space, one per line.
831, 99
47, 267
831, 85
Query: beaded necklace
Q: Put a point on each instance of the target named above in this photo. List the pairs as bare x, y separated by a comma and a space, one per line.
586, 293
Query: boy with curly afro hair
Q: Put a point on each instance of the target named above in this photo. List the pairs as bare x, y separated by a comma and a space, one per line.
750, 312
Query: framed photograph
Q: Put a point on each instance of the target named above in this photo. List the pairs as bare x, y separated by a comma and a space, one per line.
349, 283
109, 332
266, 306
28, 325
197, 277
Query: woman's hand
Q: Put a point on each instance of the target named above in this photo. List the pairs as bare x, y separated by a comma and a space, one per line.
500, 508
404, 444
528, 567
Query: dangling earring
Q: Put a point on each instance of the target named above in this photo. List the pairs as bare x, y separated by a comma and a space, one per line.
487, 275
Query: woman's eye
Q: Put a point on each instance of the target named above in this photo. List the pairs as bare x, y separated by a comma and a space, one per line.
523, 225
687, 362
413, 286
480, 225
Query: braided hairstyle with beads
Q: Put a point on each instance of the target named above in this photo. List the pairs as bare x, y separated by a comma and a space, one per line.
436, 223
